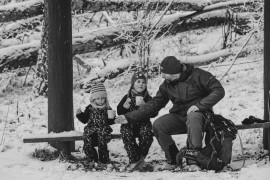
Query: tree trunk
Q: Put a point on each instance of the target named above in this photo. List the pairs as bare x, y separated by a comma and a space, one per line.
32, 8
99, 39
266, 131
41, 76
60, 74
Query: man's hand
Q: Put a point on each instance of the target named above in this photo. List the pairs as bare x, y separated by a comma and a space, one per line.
120, 120
192, 109
127, 103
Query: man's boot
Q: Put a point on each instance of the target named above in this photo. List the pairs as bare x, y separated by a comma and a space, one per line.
192, 165
173, 150
171, 164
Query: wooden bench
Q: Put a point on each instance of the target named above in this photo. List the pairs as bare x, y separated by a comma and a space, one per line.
77, 136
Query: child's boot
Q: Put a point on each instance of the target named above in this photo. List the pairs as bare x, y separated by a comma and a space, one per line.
134, 166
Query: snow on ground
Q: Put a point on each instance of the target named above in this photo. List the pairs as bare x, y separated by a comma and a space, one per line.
244, 97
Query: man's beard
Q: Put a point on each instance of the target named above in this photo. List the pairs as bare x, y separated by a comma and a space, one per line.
172, 82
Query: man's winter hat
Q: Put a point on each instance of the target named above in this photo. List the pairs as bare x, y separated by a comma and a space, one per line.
136, 76
171, 65
98, 91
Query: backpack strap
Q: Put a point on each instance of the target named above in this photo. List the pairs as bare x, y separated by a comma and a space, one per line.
244, 158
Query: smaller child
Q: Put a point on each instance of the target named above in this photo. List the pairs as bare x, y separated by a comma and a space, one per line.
141, 129
97, 132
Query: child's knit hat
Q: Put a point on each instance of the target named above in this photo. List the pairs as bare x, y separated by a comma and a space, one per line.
98, 91
136, 76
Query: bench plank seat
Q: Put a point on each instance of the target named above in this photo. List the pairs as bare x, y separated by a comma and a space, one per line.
54, 137
76, 135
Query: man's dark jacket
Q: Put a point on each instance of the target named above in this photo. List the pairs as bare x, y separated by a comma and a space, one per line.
195, 87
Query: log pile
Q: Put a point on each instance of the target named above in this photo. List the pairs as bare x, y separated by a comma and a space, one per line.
99, 39
197, 15
33, 8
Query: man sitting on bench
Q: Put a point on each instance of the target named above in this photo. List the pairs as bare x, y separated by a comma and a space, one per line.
191, 90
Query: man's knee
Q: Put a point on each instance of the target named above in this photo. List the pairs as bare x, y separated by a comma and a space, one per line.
159, 124
195, 119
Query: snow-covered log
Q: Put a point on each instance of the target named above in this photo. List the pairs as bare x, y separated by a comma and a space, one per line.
199, 19
131, 5
32, 8
205, 58
22, 10
112, 70
15, 28
19, 56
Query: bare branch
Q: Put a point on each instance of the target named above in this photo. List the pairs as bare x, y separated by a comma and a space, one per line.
240, 50
164, 12
82, 63
105, 14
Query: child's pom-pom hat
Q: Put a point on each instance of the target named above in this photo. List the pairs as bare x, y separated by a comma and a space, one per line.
98, 91
136, 76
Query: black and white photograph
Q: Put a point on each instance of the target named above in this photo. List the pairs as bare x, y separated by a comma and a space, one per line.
134, 89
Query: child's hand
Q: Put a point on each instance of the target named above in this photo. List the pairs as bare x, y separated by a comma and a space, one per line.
78, 111
127, 103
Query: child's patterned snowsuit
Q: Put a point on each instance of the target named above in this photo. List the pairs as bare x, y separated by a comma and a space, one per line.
97, 132
141, 129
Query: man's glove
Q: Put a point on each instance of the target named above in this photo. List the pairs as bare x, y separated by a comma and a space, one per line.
257, 120
247, 121
252, 120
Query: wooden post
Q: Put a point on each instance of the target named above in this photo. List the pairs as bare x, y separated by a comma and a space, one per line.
266, 131
60, 74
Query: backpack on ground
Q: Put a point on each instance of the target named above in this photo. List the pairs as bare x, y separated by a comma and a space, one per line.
218, 150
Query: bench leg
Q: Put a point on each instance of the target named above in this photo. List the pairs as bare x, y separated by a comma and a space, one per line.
61, 146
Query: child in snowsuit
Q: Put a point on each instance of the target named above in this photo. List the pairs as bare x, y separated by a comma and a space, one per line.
142, 129
97, 132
